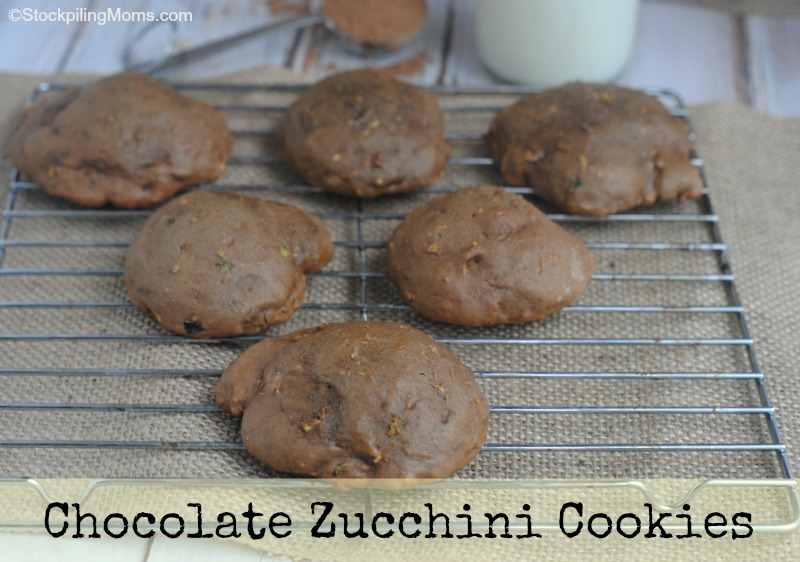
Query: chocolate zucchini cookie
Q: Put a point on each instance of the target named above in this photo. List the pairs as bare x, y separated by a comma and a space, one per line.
215, 264
483, 256
377, 23
126, 140
363, 133
356, 400
595, 149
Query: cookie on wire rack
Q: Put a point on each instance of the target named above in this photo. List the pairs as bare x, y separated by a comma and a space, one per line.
595, 149
362, 133
212, 264
356, 400
126, 140
483, 256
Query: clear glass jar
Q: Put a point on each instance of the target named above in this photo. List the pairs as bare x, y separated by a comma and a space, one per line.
548, 42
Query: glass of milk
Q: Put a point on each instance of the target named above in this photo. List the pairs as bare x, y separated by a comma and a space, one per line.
547, 42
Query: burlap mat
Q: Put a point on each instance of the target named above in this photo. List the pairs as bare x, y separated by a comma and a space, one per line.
751, 167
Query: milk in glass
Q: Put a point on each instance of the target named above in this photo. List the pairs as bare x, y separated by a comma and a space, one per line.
548, 42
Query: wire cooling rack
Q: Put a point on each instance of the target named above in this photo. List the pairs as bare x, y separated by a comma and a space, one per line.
652, 374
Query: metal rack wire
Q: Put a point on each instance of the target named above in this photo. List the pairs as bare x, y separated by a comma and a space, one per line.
654, 372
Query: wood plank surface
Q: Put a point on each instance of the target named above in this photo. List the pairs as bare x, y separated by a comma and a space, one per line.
101, 47
774, 64
36, 47
694, 51
702, 54
463, 67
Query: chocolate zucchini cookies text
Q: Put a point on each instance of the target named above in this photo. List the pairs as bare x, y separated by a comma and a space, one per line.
215, 264
595, 149
356, 400
483, 256
126, 140
363, 133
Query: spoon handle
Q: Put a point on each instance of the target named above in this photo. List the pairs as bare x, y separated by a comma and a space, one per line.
182, 57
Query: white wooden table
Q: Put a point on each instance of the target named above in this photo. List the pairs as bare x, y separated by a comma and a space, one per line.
702, 54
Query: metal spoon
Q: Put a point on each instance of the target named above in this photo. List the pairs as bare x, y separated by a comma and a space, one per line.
312, 17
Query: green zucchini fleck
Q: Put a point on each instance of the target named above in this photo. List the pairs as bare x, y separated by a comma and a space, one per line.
225, 266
